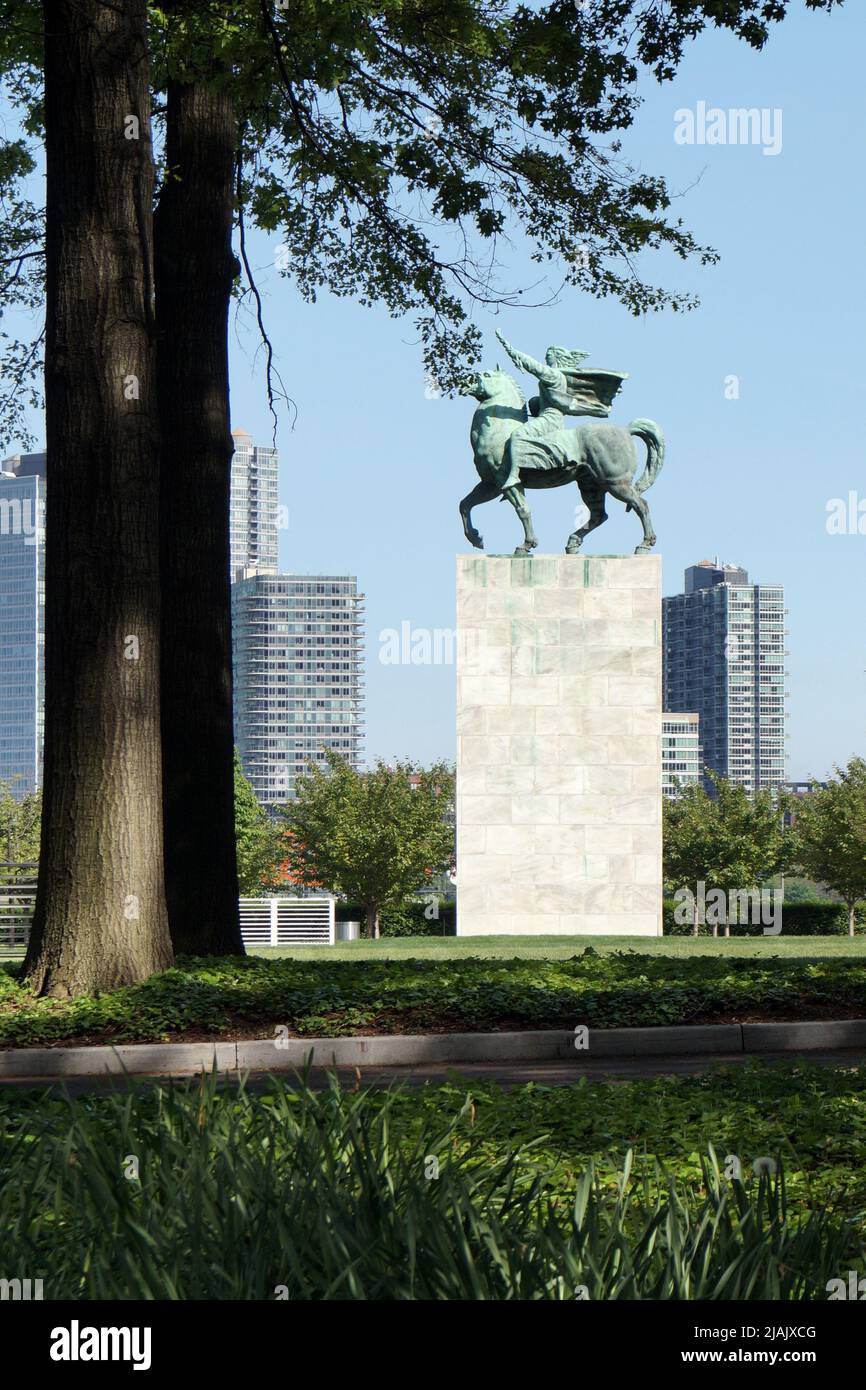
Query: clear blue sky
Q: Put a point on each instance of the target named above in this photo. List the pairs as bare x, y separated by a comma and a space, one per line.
373, 469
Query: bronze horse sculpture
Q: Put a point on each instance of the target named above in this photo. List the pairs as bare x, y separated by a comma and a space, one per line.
518, 447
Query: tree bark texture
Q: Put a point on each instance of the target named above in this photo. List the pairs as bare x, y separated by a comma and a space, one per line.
100, 917
195, 268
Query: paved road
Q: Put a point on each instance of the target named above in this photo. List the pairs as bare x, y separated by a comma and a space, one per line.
611, 1070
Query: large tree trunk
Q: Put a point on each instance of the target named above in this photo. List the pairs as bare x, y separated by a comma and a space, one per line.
195, 268
100, 911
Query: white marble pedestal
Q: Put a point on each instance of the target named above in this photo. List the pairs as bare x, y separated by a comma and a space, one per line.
559, 745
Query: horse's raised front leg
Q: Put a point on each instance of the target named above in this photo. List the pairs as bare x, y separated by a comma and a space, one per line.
482, 492
593, 499
517, 498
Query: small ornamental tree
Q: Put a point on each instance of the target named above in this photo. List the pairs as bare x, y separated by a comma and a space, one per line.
728, 840
258, 839
831, 835
371, 836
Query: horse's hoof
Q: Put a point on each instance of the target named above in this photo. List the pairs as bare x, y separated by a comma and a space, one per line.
477, 541
644, 549
572, 548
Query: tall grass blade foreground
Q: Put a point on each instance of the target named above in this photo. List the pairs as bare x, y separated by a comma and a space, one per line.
202, 1191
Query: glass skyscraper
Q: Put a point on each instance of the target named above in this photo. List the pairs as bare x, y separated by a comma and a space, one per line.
682, 765
297, 639
297, 643
254, 507
724, 659
22, 621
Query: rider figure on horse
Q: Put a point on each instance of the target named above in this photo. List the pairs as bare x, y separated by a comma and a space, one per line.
562, 390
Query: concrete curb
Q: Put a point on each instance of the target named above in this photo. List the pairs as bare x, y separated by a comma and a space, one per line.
772, 1037
291, 1054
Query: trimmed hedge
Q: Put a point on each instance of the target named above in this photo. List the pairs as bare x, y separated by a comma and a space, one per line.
798, 919
407, 920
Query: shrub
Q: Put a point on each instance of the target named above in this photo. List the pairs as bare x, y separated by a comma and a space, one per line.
820, 919
798, 919
409, 919
321, 997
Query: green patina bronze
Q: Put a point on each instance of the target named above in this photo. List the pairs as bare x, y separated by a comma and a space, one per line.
518, 446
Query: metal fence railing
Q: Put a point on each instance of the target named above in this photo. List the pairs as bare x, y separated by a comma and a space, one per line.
17, 899
278, 921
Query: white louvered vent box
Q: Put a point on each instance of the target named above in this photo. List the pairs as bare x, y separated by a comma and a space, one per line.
287, 921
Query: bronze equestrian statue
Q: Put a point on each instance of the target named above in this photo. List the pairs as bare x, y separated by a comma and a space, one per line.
518, 447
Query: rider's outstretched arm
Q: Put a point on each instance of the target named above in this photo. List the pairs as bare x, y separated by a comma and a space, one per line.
523, 360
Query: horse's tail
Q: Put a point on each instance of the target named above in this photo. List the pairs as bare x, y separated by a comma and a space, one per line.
651, 434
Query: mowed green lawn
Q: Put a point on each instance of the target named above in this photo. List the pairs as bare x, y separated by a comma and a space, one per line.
563, 947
